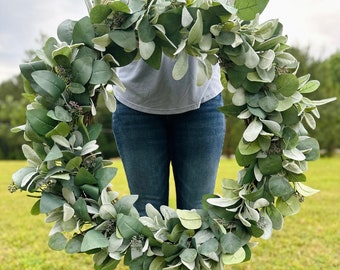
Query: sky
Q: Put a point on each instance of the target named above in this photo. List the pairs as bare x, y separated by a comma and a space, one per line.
307, 23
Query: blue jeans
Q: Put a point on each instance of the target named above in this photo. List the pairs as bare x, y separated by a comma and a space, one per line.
191, 141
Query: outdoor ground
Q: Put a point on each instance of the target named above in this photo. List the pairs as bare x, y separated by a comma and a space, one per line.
309, 240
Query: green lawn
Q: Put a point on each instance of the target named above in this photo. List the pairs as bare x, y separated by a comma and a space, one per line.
309, 240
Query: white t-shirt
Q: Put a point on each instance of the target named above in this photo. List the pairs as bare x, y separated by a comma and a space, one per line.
155, 91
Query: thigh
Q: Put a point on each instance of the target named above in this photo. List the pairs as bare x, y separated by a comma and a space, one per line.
197, 141
143, 147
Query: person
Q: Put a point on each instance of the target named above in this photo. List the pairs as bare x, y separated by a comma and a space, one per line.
158, 121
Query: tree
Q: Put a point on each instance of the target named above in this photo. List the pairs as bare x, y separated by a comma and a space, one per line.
328, 73
12, 113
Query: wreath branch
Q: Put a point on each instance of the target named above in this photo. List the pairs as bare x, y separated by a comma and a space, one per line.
67, 170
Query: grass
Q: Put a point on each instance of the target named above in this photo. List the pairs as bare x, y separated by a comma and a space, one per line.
309, 240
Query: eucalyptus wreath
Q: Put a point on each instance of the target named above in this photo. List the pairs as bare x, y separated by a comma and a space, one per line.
72, 182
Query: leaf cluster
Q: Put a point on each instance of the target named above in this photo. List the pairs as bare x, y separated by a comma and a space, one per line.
72, 182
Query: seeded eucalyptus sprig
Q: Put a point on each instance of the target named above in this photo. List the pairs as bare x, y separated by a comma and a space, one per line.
72, 182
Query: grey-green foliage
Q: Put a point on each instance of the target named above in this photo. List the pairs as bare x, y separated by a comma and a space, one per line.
72, 181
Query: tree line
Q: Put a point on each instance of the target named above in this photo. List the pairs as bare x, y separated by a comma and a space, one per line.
13, 106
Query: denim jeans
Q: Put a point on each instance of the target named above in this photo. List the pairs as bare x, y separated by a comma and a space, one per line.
191, 141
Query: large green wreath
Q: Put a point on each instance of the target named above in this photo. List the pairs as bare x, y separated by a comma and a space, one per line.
70, 179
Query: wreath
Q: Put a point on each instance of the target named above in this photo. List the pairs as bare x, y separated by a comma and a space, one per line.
71, 181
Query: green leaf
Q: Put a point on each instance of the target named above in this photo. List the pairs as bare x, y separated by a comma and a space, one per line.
146, 32
125, 204
186, 19
28, 68
31, 156
226, 38
80, 209
270, 165
50, 202
19, 176
266, 59
231, 110
279, 186
99, 13
89, 147
104, 176
60, 114
62, 141
189, 219
287, 84
46, 53
54, 154
305, 190
309, 87
230, 243
208, 248
107, 212
76, 88
93, 240
83, 32
129, 226
101, 73
91, 190
156, 58
268, 103
65, 31
50, 83
57, 241
292, 177
188, 257
290, 116
94, 131
125, 39
35, 210
252, 59
289, 207
253, 130
275, 216
196, 31
270, 43
62, 129
157, 264
249, 176
247, 9
284, 59
244, 160
82, 70
290, 138
84, 177
248, 148
74, 245
181, 66
238, 257
146, 49
120, 6
294, 154
311, 148
74, 163
273, 126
